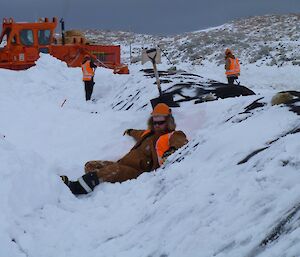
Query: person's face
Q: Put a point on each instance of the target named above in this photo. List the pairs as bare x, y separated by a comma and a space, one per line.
159, 123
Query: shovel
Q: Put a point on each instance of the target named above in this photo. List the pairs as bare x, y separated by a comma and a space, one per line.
163, 98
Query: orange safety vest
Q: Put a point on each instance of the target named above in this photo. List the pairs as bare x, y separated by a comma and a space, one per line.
87, 71
234, 67
161, 146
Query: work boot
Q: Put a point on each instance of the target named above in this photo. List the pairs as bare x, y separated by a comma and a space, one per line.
83, 185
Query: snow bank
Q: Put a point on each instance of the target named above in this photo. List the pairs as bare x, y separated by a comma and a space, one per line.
200, 204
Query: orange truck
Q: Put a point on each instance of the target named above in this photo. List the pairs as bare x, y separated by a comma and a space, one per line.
22, 42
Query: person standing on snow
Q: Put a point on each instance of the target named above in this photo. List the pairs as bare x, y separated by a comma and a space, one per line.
232, 67
88, 71
152, 148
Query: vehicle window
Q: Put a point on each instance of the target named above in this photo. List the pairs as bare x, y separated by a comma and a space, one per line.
3, 40
44, 37
26, 36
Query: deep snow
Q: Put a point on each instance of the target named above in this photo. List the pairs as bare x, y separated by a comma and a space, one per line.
205, 205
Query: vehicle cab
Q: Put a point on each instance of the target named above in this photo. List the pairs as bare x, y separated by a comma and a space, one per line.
21, 43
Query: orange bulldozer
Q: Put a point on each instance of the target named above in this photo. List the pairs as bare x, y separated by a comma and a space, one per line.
22, 42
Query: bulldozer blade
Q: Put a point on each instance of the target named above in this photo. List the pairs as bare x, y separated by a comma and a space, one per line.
167, 99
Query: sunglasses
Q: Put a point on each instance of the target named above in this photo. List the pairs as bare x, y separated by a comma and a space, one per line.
159, 122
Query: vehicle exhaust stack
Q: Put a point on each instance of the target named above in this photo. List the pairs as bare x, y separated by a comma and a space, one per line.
62, 23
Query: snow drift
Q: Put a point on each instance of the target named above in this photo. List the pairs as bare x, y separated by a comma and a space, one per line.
201, 203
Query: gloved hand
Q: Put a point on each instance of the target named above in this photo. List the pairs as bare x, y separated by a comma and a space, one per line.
167, 153
127, 132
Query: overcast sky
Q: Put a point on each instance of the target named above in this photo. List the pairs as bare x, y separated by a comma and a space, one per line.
149, 17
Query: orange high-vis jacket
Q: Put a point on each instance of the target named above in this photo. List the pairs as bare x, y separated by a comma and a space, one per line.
162, 145
234, 67
87, 72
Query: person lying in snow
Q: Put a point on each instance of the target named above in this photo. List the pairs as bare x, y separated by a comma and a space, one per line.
152, 148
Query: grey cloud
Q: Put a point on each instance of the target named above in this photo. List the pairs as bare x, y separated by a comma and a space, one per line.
152, 17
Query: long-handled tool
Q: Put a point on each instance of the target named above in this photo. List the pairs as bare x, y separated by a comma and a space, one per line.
152, 53
163, 98
170, 62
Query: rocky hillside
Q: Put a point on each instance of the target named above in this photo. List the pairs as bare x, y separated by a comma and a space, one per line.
271, 40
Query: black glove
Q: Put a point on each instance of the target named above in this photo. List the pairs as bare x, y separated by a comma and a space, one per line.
127, 132
167, 153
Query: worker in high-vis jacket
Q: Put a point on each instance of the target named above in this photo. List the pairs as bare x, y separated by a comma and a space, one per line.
88, 72
232, 67
152, 148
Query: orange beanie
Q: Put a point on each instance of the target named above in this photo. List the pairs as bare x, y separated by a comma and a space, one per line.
161, 109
